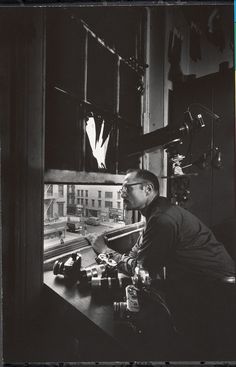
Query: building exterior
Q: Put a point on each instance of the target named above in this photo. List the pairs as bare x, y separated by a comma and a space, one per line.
103, 201
55, 201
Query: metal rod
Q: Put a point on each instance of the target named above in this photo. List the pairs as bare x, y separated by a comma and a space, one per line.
138, 69
117, 113
85, 89
123, 234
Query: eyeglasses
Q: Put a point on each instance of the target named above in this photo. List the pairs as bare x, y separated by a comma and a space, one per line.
124, 189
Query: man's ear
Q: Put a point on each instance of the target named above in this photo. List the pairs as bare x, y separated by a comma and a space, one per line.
149, 188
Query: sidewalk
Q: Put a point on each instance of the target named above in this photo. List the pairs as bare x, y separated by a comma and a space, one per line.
52, 242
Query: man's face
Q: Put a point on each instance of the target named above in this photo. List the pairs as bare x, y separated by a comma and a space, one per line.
134, 193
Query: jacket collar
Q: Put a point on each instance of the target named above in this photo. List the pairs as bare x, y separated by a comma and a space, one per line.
156, 204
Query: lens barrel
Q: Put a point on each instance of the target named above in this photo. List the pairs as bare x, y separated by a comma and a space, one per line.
109, 283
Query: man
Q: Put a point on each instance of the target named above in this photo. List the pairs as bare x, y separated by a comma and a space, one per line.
200, 274
173, 238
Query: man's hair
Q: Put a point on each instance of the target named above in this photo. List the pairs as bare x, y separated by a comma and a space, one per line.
146, 176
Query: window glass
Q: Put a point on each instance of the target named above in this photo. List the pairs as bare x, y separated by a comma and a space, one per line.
108, 204
49, 190
60, 209
69, 217
61, 190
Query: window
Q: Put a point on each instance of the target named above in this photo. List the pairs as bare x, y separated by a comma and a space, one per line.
118, 195
118, 204
108, 204
49, 190
106, 42
50, 210
60, 190
64, 141
70, 214
60, 209
71, 189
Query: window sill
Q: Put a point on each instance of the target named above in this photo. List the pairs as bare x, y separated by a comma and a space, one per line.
91, 319
82, 177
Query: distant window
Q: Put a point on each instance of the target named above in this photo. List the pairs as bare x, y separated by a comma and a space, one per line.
86, 193
118, 195
93, 202
99, 203
61, 190
86, 201
78, 192
49, 190
82, 201
60, 209
108, 194
82, 192
71, 188
108, 204
99, 194
118, 204
50, 211
78, 201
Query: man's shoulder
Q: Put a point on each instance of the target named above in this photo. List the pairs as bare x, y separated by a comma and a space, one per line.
164, 209
162, 205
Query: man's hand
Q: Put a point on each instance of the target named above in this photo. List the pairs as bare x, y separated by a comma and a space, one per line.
98, 243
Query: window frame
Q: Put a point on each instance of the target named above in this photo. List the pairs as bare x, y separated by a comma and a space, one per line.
78, 178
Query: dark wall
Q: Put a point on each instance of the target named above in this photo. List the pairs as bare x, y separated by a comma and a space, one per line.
22, 124
212, 191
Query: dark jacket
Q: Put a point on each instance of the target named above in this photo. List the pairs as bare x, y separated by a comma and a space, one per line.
176, 239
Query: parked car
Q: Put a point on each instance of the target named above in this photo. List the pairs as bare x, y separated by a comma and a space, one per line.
94, 221
74, 226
